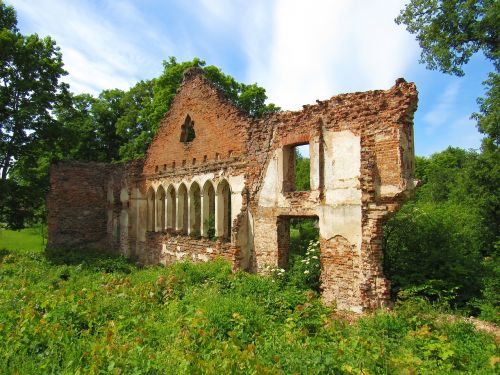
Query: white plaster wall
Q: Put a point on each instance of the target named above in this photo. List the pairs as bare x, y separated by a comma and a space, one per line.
271, 190
341, 220
340, 213
314, 164
342, 168
237, 184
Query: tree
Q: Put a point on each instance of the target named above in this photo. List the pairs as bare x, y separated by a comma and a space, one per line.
30, 69
147, 102
438, 242
30, 72
449, 33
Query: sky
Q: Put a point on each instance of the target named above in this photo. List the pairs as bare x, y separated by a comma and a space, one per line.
299, 51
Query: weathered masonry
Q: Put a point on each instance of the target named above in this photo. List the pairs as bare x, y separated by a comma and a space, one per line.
216, 182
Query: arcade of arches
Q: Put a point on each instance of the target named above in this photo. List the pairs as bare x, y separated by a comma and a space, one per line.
191, 211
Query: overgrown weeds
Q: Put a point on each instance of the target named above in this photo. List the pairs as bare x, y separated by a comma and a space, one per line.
73, 312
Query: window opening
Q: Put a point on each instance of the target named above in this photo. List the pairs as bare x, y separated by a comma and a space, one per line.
296, 168
195, 210
224, 211
209, 210
187, 130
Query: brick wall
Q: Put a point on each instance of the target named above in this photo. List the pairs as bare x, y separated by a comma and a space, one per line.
77, 205
362, 163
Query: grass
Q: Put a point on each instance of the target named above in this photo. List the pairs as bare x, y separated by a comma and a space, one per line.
29, 239
69, 312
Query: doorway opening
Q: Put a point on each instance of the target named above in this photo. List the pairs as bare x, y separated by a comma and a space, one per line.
298, 250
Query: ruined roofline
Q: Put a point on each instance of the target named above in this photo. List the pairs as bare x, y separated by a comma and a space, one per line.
189, 75
194, 72
400, 87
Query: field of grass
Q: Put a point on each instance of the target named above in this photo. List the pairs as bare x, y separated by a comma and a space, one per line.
29, 239
66, 312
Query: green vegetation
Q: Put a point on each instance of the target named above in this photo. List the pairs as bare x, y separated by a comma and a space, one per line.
444, 243
302, 172
73, 312
88, 312
24, 240
450, 32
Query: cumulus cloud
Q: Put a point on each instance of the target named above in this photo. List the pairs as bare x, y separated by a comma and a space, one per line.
321, 48
99, 52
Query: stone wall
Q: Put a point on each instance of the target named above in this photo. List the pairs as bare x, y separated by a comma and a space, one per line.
241, 168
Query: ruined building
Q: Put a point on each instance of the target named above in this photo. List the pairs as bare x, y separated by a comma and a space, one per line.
210, 160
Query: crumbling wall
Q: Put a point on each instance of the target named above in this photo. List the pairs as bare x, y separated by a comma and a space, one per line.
362, 169
76, 205
220, 130
361, 149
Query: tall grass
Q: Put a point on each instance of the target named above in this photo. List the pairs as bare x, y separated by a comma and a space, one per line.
72, 312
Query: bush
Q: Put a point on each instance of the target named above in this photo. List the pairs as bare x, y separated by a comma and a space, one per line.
63, 317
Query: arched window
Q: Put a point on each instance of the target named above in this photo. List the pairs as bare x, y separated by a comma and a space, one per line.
160, 208
171, 207
182, 209
151, 210
187, 130
208, 210
224, 210
194, 210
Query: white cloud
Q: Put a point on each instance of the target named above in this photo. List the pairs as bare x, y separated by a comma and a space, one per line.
306, 50
102, 47
321, 48
443, 110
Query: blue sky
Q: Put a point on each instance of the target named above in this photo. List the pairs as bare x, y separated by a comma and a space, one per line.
299, 51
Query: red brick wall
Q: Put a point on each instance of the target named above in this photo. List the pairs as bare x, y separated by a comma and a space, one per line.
77, 204
220, 128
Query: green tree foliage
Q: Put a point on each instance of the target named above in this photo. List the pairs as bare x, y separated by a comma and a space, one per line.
30, 72
302, 172
30, 69
449, 33
460, 183
442, 243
